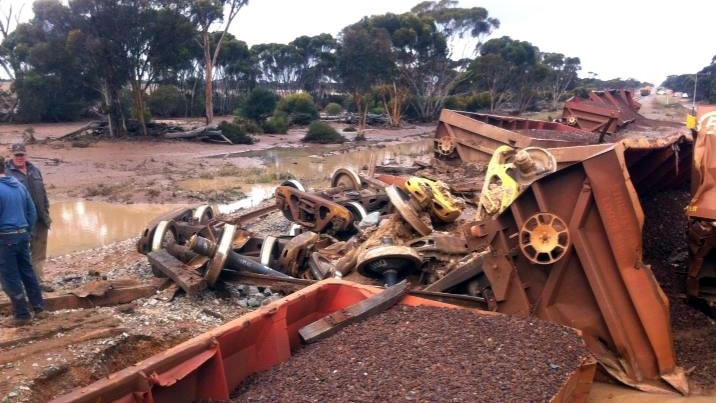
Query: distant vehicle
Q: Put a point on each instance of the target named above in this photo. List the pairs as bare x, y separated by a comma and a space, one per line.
645, 91
660, 92
685, 95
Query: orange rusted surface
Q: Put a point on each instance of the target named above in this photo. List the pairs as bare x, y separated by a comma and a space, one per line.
602, 111
703, 202
701, 276
600, 284
473, 137
208, 367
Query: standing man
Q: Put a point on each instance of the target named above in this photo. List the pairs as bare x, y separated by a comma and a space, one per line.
28, 174
17, 217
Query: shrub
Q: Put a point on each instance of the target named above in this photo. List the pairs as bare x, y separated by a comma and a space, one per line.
235, 133
333, 109
300, 107
247, 125
259, 104
165, 101
277, 124
322, 133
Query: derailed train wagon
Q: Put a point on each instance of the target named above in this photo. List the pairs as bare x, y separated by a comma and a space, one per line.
579, 231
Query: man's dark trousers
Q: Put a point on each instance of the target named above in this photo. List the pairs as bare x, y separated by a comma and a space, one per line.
16, 272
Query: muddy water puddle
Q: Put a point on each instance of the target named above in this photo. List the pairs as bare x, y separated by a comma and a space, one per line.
314, 165
81, 224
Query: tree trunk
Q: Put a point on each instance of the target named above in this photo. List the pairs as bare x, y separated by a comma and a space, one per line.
208, 87
139, 105
114, 110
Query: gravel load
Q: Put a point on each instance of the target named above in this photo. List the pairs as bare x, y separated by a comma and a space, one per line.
426, 354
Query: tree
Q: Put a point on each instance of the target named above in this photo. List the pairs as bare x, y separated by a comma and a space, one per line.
235, 71
203, 14
7, 23
562, 74
52, 78
316, 59
259, 105
458, 23
509, 70
421, 41
279, 65
366, 59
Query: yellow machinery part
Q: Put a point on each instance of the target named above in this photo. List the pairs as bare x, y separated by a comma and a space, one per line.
691, 121
499, 189
443, 206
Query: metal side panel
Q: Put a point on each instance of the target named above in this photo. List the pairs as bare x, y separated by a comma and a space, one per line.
600, 284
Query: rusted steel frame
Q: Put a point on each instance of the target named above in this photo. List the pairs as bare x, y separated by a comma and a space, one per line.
592, 116
627, 113
515, 123
211, 365
113, 296
651, 306
475, 140
184, 275
312, 211
658, 163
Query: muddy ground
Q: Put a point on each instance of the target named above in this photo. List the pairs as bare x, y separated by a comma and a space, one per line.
77, 346
150, 170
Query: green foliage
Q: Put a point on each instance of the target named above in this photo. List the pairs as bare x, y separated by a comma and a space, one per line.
247, 125
333, 109
166, 101
472, 103
322, 133
299, 107
259, 104
277, 124
236, 133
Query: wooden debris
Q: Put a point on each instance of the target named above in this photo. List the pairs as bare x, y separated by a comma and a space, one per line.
185, 276
332, 323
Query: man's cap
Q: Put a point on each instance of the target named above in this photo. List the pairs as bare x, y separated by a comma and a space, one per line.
17, 149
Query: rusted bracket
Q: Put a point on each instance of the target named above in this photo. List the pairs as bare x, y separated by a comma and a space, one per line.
312, 211
185, 276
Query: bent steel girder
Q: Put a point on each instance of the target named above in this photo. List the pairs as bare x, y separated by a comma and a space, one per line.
600, 285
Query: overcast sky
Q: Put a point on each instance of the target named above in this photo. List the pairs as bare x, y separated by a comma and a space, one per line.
644, 40
613, 38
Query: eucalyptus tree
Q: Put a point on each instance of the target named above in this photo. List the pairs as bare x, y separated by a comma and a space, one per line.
317, 62
422, 42
279, 65
365, 59
52, 78
235, 71
131, 42
463, 30
204, 14
509, 70
9, 19
561, 76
